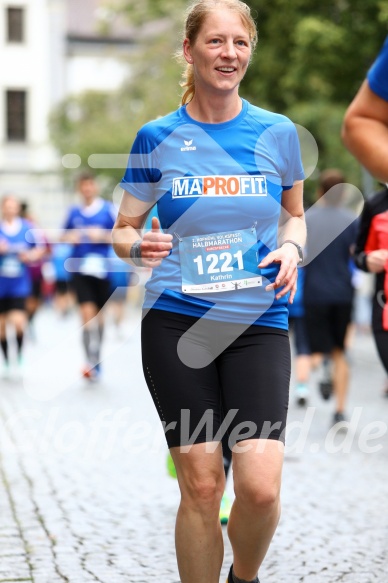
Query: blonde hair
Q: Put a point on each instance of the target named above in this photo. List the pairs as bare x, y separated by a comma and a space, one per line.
196, 15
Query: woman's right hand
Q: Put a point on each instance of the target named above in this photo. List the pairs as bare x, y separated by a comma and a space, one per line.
377, 260
155, 245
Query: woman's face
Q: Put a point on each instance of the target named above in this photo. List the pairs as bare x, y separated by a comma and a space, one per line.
221, 52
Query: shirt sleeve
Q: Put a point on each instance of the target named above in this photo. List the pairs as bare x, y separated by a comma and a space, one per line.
142, 171
378, 73
290, 163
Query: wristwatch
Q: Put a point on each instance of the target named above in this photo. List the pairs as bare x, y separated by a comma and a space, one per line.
135, 253
299, 248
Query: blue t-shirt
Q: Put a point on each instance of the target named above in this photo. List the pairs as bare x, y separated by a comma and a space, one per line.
15, 279
378, 73
218, 190
59, 254
87, 257
328, 277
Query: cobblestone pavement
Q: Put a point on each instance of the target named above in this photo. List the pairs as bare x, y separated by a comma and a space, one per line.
85, 496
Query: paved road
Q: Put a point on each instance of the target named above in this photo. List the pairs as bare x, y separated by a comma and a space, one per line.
85, 496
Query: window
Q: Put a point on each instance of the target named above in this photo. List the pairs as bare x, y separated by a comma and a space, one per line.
15, 25
16, 104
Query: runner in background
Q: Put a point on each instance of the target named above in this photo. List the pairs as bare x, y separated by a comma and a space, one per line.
63, 296
365, 127
17, 251
88, 229
372, 255
328, 289
34, 300
365, 134
301, 343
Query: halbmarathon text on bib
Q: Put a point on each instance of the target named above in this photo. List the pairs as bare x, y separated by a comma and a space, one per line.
195, 186
219, 262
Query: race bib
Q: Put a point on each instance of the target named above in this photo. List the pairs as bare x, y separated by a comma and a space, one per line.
10, 267
94, 265
219, 262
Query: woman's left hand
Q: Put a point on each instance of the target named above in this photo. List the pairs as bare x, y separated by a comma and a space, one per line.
288, 257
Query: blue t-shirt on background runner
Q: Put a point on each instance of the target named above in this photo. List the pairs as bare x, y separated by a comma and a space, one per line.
89, 258
15, 278
218, 190
296, 309
59, 254
328, 277
378, 73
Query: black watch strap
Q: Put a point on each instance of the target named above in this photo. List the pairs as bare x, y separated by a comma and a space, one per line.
299, 248
135, 253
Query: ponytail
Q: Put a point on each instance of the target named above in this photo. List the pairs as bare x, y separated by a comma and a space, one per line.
188, 83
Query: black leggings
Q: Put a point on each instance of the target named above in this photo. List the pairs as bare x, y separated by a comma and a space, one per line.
195, 386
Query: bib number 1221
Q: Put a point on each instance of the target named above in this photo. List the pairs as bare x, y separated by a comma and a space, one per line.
219, 263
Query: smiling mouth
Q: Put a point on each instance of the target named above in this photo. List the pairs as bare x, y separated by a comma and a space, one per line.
226, 69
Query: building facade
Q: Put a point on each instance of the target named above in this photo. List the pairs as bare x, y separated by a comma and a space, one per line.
50, 49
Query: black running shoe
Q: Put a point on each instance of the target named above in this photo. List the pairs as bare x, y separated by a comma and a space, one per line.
326, 389
230, 577
339, 422
339, 417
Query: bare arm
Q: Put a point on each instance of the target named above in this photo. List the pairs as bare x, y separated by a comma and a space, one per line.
365, 131
292, 221
292, 227
155, 245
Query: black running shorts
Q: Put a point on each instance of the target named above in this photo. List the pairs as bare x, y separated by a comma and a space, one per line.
91, 289
195, 388
327, 326
9, 304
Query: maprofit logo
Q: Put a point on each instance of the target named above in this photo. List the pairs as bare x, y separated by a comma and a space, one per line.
195, 186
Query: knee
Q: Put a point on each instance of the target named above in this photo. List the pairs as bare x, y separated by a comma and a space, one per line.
260, 497
203, 494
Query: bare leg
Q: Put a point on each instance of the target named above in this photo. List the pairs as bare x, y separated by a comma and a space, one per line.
18, 319
3, 337
89, 312
302, 368
340, 378
199, 543
256, 510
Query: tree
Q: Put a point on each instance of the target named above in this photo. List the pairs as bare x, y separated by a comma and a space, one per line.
311, 59
310, 62
97, 122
